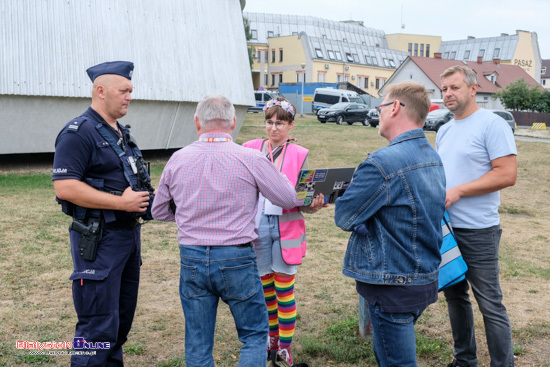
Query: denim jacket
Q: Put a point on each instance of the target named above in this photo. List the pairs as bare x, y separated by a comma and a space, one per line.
393, 207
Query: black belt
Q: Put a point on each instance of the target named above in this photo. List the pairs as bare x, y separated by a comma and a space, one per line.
122, 224
244, 245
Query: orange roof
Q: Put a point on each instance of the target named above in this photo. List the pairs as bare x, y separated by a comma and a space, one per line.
505, 74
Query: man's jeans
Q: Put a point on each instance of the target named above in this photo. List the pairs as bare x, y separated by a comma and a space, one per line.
479, 248
394, 340
230, 273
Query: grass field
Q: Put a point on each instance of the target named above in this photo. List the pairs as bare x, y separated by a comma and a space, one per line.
35, 264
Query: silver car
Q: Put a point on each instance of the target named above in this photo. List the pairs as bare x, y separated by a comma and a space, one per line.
508, 117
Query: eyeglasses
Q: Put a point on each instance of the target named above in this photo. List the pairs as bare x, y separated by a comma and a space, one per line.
379, 108
278, 124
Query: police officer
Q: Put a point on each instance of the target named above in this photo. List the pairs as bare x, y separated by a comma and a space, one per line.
99, 180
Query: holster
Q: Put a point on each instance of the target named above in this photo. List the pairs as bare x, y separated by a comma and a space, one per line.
91, 233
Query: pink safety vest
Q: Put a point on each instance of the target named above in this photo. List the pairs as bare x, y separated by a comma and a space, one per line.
292, 225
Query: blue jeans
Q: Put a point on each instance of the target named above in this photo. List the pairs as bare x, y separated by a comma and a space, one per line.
393, 337
479, 248
209, 273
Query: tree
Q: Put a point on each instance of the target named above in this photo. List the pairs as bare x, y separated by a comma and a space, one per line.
520, 96
516, 96
248, 34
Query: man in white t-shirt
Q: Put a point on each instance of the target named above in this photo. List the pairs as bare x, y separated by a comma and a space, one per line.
479, 156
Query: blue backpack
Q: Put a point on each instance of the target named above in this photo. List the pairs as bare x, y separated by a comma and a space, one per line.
453, 268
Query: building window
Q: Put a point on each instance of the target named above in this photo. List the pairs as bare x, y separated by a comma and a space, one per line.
386, 62
338, 77
366, 83
321, 77
330, 54
266, 58
446, 55
543, 81
272, 79
379, 83
367, 60
319, 53
280, 78
359, 81
273, 55
392, 64
345, 40
349, 57
324, 36
416, 49
294, 33
481, 53
543, 70
421, 50
453, 55
496, 53
270, 34
259, 54
466, 54
254, 34
410, 48
374, 60
427, 50
356, 58
338, 55
281, 55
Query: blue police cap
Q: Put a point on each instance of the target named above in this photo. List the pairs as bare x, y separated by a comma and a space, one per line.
122, 68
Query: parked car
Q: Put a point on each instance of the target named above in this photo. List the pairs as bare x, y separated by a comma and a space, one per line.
437, 118
373, 118
508, 117
344, 111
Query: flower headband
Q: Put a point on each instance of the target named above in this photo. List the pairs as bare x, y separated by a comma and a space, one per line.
283, 104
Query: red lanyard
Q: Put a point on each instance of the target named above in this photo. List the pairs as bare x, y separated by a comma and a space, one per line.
282, 154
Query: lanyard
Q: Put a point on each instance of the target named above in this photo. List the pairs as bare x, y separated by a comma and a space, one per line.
214, 140
283, 153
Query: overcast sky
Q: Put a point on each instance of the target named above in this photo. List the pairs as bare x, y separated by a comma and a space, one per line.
450, 20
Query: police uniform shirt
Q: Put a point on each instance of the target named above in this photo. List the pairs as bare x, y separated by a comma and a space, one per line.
84, 153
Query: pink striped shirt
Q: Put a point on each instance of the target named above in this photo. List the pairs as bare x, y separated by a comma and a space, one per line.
215, 186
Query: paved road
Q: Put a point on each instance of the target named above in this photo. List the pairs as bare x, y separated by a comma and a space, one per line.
531, 140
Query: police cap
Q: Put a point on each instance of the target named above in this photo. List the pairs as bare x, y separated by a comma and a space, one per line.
122, 68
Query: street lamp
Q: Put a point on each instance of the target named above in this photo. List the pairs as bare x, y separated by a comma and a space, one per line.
303, 65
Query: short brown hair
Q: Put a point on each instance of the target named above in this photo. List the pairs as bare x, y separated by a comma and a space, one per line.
414, 96
280, 112
470, 76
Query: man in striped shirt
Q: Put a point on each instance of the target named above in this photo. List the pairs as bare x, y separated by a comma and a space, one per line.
214, 184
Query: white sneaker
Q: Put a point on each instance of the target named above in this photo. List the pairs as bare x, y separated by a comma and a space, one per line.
285, 354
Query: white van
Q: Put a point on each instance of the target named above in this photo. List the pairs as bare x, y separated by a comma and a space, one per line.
262, 97
326, 97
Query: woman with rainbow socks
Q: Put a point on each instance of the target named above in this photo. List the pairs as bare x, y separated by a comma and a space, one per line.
281, 241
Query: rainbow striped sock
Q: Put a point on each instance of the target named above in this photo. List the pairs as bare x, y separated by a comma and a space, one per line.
268, 282
284, 288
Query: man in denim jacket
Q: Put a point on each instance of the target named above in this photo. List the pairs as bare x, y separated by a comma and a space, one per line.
393, 207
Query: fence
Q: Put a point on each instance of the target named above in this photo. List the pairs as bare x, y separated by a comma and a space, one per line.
529, 118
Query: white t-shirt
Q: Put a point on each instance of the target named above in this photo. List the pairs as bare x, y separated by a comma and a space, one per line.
467, 148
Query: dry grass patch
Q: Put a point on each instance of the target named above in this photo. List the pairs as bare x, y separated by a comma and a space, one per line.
36, 304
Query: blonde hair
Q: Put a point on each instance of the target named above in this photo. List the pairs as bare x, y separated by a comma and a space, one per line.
414, 96
470, 76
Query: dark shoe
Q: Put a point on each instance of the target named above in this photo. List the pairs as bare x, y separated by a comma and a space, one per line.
455, 364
